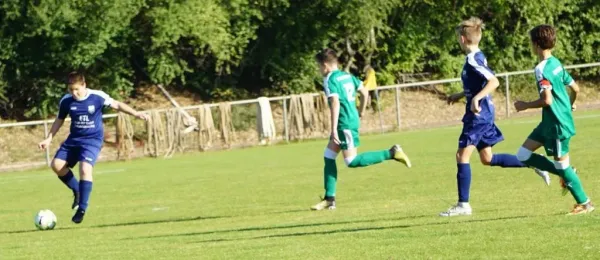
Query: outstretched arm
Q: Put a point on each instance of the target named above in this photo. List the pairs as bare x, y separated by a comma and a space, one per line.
120, 106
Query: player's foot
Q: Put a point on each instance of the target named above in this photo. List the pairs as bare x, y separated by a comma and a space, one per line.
75, 200
399, 155
78, 217
545, 176
582, 208
460, 209
324, 204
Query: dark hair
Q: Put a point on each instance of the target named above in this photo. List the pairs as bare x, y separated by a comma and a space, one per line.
543, 36
75, 78
326, 56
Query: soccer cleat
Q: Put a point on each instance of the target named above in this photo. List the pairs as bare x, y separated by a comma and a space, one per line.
75, 204
563, 185
545, 176
78, 217
582, 208
324, 204
460, 209
399, 155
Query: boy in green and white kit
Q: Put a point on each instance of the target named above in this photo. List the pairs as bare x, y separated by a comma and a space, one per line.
340, 88
557, 126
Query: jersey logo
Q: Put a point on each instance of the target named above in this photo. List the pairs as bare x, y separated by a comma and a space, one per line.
91, 109
73, 108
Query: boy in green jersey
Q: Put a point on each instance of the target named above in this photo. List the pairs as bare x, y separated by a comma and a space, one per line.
340, 88
557, 126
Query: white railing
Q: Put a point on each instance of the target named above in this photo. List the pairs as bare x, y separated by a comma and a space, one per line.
285, 99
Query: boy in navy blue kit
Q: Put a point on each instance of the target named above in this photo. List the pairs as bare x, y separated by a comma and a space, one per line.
479, 130
85, 139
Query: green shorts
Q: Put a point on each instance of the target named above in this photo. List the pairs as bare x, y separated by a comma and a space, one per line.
349, 138
553, 146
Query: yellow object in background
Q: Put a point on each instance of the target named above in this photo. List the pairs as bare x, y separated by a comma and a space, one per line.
370, 81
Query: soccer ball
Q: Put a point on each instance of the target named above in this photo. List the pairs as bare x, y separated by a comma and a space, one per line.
45, 220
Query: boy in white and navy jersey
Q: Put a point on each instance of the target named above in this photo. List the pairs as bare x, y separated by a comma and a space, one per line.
85, 139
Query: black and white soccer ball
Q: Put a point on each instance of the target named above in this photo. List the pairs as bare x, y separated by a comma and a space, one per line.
45, 220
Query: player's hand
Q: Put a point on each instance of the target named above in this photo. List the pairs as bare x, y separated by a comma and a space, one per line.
520, 106
142, 116
335, 138
43, 145
573, 107
475, 108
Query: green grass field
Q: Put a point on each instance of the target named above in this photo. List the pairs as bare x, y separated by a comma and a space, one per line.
253, 204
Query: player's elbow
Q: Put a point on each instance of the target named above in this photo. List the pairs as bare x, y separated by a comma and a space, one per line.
547, 101
494, 82
575, 88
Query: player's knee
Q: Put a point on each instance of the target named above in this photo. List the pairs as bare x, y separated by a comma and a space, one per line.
330, 154
59, 167
349, 161
523, 154
562, 165
487, 161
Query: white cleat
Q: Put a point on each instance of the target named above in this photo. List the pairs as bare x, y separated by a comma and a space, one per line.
545, 176
460, 209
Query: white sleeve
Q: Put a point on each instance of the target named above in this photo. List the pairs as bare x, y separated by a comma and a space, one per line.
107, 99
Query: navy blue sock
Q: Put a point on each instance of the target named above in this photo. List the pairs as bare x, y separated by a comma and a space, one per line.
85, 189
463, 178
506, 161
70, 180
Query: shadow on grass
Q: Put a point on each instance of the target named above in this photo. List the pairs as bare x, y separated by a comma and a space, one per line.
134, 223
353, 230
283, 227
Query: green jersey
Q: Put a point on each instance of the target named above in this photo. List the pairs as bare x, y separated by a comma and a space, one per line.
344, 86
557, 119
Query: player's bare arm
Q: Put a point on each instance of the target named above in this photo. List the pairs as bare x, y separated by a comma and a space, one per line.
491, 85
574, 92
364, 94
544, 101
335, 115
43, 145
120, 106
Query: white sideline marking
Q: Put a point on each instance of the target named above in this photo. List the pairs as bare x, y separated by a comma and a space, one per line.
49, 175
160, 209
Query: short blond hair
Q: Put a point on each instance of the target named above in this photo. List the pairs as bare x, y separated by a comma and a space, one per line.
471, 30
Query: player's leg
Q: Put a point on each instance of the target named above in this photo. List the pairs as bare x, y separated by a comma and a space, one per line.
527, 156
572, 181
87, 159
62, 163
488, 158
329, 177
350, 141
463, 179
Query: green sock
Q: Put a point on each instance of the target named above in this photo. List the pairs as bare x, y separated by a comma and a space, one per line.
542, 163
573, 184
370, 158
330, 177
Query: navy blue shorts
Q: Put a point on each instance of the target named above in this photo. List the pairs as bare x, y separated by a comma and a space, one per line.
78, 153
480, 135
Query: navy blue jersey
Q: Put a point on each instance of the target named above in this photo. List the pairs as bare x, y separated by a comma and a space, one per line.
475, 76
86, 117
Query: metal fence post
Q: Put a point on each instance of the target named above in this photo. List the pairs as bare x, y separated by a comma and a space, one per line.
379, 111
48, 148
506, 85
397, 92
285, 121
